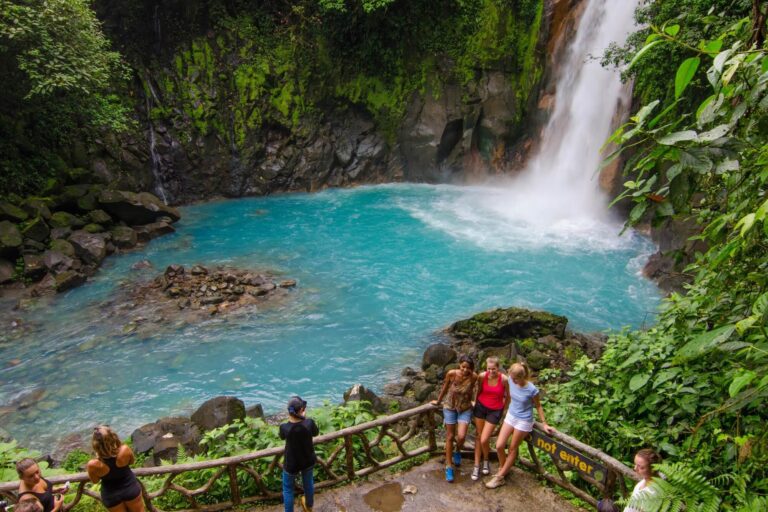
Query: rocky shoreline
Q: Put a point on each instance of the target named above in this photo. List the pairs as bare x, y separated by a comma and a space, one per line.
53, 243
539, 338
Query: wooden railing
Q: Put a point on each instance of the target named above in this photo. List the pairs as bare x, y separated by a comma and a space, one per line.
353, 452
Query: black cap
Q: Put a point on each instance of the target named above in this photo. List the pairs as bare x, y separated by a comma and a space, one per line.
295, 405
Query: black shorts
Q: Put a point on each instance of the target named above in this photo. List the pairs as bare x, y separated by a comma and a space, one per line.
492, 416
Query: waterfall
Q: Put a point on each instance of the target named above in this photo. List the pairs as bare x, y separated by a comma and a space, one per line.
151, 96
560, 182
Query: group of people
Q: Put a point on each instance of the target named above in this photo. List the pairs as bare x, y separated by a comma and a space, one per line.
120, 490
484, 397
464, 395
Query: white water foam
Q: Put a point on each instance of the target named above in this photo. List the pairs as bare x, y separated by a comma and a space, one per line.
556, 201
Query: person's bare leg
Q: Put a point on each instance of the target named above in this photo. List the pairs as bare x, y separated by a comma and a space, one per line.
450, 433
480, 450
485, 439
501, 443
518, 436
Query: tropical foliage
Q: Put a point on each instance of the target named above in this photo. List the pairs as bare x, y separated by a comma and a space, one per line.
694, 386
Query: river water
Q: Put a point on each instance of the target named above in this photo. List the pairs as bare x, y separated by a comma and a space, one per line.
379, 270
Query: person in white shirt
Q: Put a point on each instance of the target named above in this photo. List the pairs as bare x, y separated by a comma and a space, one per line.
644, 461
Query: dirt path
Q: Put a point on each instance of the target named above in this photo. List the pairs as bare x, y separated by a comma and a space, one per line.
424, 489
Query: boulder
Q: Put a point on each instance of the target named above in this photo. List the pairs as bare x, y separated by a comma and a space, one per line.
63, 246
93, 228
438, 354
57, 262
537, 360
218, 412
422, 390
10, 239
358, 392
66, 220
12, 213
124, 237
509, 323
100, 217
164, 436
88, 202
91, 248
37, 230
67, 280
57, 233
36, 207
135, 209
397, 388
255, 411
34, 268
156, 229
7, 270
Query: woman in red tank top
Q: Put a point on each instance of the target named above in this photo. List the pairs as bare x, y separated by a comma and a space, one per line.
492, 398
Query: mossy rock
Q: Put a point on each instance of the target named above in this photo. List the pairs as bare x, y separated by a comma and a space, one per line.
509, 324
36, 229
94, 228
11, 212
63, 246
10, 236
100, 217
537, 360
65, 220
88, 202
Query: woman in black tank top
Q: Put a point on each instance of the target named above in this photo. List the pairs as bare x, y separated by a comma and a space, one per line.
120, 490
32, 485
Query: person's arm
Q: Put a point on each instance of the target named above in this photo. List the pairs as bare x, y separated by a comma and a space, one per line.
315, 430
444, 389
58, 501
95, 470
281, 432
507, 395
540, 410
124, 456
479, 386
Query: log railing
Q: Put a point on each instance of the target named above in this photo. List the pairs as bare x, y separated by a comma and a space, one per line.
351, 453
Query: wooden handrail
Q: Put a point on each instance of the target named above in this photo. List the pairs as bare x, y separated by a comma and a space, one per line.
343, 464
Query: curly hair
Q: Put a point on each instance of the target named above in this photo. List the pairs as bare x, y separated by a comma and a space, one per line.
468, 360
105, 442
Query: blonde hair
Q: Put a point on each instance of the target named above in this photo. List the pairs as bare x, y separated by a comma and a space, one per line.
492, 359
23, 465
520, 371
105, 442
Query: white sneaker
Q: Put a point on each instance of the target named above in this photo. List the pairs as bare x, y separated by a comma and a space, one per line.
496, 481
475, 473
486, 467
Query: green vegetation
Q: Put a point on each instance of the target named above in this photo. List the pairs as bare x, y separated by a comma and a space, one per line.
57, 73
372, 54
695, 385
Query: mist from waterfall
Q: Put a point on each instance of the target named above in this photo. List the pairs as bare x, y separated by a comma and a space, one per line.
556, 201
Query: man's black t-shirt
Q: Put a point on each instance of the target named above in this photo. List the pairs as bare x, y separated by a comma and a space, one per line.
299, 452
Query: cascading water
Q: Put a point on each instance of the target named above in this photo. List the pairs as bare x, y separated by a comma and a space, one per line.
154, 157
560, 182
556, 199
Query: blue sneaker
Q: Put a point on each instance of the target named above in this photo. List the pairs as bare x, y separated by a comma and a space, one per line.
449, 475
456, 459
